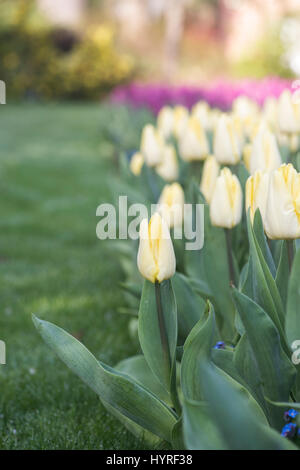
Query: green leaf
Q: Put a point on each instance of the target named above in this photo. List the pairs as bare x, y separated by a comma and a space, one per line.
265, 291
201, 265
197, 351
159, 352
277, 373
199, 430
283, 273
197, 348
137, 368
116, 389
258, 229
190, 306
292, 325
237, 423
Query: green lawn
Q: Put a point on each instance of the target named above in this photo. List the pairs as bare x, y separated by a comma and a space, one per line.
55, 167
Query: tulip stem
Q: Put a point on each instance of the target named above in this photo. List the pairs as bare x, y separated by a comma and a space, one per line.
165, 345
230, 257
291, 253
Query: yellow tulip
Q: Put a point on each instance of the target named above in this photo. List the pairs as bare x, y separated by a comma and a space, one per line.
282, 219
270, 112
244, 108
265, 154
227, 143
156, 259
151, 145
257, 193
165, 121
193, 143
201, 111
136, 163
171, 204
227, 200
288, 113
247, 151
168, 168
181, 117
210, 173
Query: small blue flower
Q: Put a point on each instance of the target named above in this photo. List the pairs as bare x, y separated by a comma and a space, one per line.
289, 430
220, 345
290, 414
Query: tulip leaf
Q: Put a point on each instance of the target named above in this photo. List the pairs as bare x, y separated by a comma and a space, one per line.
283, 273
200, 265
158, 336
292, 324
177, 436
137, 368
116, 389
190, 306
258, 229
277, 373
246, 365
265, 291
198, 350
199, 430
236, 421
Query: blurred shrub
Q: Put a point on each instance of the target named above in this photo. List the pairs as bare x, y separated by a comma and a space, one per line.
266, 58
44, 62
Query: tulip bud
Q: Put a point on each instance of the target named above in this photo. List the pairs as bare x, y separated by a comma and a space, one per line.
168, 168
247, 151
136, 163
165, 121
181, 117
151, 145
227, 199
156, 258
171, 204
256, 193
282, 219
270, 112
193, 143
201, 111
288, 113
227, 143
210, 173
265, 154
244, 108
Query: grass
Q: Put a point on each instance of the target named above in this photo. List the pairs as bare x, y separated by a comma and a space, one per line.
55, 167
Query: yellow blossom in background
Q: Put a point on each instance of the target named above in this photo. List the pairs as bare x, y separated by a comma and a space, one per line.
265, 153
227, 144
171, 204
193, 142
288, 113
227, 200
168, 169
136, 163
181, 117
257, 187
151, 145
165, 121
210, 173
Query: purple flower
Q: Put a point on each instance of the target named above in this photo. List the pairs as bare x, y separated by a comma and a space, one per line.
219, 94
